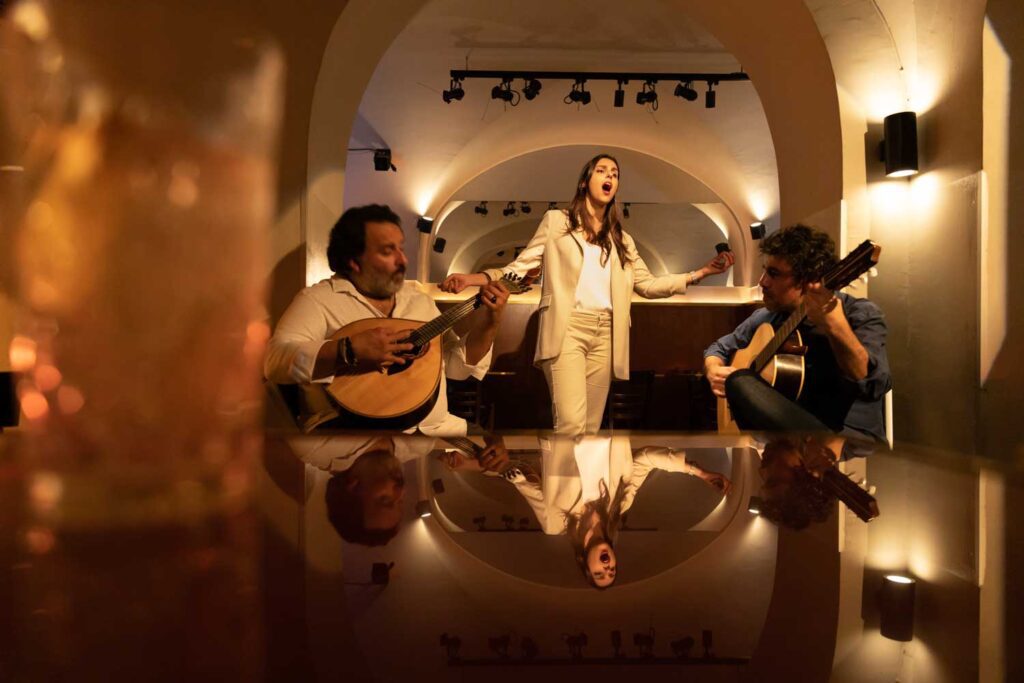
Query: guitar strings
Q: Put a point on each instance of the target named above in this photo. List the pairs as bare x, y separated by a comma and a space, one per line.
438, 325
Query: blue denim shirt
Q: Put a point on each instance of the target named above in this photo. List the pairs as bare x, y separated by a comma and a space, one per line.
837, 401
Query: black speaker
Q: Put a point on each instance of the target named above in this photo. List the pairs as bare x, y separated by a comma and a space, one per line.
722, 247
439, 245
382, 160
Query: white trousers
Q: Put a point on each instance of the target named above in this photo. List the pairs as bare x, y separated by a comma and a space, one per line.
579, 377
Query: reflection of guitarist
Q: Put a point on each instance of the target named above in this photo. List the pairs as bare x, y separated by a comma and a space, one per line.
366, 253
843, 346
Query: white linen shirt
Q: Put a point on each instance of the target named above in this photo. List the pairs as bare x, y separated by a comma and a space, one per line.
319, 311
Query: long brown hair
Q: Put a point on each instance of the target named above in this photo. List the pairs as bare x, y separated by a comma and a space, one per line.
609, 518
611, 226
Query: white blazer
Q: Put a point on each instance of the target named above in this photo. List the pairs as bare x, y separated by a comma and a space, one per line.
560, 250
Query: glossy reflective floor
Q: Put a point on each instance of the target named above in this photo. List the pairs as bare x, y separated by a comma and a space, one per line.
714, 558
390, 557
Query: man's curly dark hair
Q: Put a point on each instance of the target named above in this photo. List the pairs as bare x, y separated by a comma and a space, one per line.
808, 251
806, 500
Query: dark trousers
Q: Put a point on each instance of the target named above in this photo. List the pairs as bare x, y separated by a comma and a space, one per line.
755, 405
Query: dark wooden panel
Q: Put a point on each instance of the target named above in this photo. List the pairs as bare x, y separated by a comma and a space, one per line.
668, 340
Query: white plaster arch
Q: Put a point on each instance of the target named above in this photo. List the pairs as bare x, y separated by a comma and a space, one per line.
778, 44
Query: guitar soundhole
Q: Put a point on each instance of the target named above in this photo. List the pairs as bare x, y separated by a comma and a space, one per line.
411, 355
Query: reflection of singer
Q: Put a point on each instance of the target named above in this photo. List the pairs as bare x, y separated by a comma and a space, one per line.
588, 484
591, 269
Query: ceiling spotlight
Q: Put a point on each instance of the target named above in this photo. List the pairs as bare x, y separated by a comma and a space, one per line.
505, 93
552, 206
686, 91
509, 210
382, 160
620, 95
578, 94
454, 92
625, 210
525, 207
481, 208
709, 96
531, 88
648, 95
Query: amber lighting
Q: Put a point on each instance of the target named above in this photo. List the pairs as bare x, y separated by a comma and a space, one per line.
70, 400
22, 354
47, 377
34, 405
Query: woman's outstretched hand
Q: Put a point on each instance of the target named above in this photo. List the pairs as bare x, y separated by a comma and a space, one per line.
456, 282
719, 264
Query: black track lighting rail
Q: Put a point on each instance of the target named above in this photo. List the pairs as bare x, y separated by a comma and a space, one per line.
624, 76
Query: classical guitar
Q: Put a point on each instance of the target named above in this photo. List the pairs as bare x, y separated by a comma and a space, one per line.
778, 355
862, 503
400, 395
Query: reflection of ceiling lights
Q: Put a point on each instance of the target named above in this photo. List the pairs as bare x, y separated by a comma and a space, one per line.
579, 94
481, 208
510, 210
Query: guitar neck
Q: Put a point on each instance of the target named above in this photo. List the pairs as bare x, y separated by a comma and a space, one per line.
781, 335
443, 322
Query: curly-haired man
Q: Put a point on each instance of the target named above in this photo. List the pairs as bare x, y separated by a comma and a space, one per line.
847, 371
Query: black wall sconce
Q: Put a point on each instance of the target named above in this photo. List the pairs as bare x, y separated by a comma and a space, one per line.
424, 224
896, 603
757, 230
754, 506
423, 508
899, 148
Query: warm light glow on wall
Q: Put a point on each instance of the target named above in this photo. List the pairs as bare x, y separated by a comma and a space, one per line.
317, 268
890, 197
762, 206
423, 200
924, 191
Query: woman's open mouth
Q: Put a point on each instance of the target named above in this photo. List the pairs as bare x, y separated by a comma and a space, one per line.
607, 187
